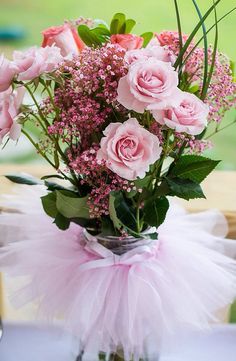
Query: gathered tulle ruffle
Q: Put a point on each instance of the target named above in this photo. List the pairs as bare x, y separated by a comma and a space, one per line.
134, 301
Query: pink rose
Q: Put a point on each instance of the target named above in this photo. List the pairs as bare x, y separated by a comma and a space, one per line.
153, 51
170, 38
10, 103
149, 84
7, 73
127, 41
129, 149
190, 116
64, 37
36, 61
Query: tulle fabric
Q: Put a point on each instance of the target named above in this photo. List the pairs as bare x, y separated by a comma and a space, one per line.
135, 301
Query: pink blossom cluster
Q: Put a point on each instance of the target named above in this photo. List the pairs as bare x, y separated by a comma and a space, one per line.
95, 174
221, 95
88, 96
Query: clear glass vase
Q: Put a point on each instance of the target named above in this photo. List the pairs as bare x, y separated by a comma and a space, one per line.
119, 246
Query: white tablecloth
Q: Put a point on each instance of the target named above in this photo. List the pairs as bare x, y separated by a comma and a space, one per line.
31, 343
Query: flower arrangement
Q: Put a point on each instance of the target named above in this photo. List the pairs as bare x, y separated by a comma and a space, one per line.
123, 119
115, 106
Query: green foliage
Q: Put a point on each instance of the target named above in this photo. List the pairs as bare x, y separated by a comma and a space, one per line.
193, 167
155, 210
23, 179
147, 37
66, 206
121, 213
119, 24
184, 188
49, 204
70, 206
94, 37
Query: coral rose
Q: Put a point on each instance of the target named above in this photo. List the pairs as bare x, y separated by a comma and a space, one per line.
129, 149
64, 37
149, 84
10, 103
127, 41
190, 116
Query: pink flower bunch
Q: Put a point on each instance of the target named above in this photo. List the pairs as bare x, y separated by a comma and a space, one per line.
221, 95
88, 97
95, 174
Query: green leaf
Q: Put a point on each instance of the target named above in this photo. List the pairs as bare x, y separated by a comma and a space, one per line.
155, 210
129, 25
121, 213
193, 167
49, 204
185, 188
71, 206
147, 37
88, 36
194, 89
23, 179
117, 23
52, 176
62, 222
143, 183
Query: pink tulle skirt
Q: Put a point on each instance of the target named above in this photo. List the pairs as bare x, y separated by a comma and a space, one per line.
135, 301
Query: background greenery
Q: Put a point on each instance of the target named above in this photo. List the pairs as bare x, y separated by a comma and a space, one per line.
151, 15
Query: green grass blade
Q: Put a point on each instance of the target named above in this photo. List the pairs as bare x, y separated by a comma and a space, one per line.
180, 32
200, 40
205, 74
204, 93
195, 30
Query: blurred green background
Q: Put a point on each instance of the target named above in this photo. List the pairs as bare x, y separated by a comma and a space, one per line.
32, 16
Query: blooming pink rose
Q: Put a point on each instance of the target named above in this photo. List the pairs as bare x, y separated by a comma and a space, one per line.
127, 41
36, 61
190, 116
149, 84
129, 149
10, 103
153, 51
7, 73
64, 37
170, 38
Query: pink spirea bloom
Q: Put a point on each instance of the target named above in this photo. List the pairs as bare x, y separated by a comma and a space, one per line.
10, 102
127, 41
129, 149
65, 37
35, 61
149, 84
170, 38
7, 73
190, 116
